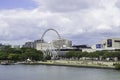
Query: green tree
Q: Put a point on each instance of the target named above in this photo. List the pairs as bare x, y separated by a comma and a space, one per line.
22, 54
14, 57
3, 56
70, 54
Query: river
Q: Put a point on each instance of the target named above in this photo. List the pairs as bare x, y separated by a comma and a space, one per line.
43, 72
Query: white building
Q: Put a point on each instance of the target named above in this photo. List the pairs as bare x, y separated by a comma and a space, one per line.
108, 44
55, 44
62, 43
43, 46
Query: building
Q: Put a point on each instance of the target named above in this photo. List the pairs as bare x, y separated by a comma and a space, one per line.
83, 48
108, 44
2, 46
55, 44
16, 46
37, 42
29, 45
62, 43
43, 46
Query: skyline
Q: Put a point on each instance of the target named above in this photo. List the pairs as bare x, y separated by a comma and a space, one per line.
82, 21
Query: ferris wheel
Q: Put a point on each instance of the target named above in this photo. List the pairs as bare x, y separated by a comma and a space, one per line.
50, 48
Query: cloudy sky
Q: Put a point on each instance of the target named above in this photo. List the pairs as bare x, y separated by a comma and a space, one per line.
82, 21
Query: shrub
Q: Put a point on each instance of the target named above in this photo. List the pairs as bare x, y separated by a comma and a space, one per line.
117, 66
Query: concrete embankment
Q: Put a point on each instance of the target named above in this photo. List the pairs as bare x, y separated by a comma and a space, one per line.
99, 65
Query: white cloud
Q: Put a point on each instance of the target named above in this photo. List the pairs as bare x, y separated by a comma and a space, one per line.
71, 18
67, 5
104, 27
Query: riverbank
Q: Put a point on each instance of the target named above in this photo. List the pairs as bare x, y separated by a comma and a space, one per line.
85, 64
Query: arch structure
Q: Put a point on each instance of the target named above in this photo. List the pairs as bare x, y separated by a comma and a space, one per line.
51, 30
50, 50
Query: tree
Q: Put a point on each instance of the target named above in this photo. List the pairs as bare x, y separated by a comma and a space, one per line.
3, 56
70, 54
22, 54
14, 57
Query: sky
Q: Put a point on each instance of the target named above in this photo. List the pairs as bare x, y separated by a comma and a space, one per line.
82, 21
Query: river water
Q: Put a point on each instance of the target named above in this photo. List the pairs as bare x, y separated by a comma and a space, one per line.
43, 72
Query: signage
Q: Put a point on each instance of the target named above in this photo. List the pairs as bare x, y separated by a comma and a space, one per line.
109, 43
98, 45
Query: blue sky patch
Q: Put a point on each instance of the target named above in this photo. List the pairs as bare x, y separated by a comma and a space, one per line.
13, 4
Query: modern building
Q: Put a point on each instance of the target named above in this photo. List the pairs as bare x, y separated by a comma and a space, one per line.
55, 44
108, 44
62, 43
43, 46
83, 48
